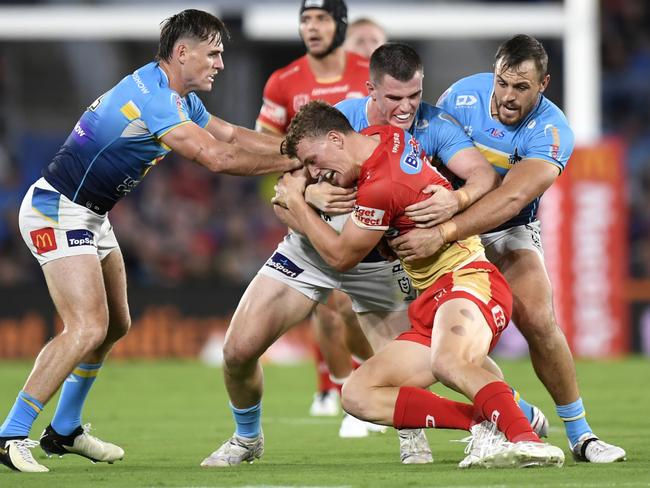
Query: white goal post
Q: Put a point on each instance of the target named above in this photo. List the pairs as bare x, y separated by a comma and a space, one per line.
575, 22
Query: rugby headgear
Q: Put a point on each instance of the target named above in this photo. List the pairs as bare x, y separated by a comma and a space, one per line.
339, 12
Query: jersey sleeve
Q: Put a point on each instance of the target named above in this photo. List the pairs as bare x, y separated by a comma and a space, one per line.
552, 143
374, 209
164, 112
197, 111
445, 137
274, 114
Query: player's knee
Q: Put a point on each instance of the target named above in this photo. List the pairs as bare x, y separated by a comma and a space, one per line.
537, 324
356, 397
119, 328
446, 366
88, 338
239, 353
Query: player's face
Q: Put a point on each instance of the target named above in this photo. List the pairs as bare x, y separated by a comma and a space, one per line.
516, 91
395, 102
317, 29
363, 39
325, 157
201, 63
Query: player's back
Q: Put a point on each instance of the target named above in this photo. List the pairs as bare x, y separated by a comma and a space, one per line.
117, 139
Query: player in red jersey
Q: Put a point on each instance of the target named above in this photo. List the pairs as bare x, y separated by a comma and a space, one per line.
464, 301
329, 73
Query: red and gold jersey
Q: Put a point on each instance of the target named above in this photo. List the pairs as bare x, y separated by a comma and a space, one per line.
392, 179
291, 87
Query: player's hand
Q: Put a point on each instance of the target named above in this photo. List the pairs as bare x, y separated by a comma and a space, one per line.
290, 186
439, 207
330, 199
287, 218
417, 244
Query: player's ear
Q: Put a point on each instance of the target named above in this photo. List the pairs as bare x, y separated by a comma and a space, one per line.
181, 50
336, 138
371, 88
545, 81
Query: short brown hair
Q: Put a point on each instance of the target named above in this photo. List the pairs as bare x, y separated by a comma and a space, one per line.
195, 24
521, 48
314, 119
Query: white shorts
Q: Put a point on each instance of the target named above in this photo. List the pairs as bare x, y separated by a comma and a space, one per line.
53, 227
527, 236
372, 286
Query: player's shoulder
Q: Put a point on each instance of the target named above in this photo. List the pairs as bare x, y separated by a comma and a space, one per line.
548, 115
357, 62
467, 92
352, 105
294, 69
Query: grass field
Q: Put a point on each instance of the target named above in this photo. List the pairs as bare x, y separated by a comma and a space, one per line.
169, 415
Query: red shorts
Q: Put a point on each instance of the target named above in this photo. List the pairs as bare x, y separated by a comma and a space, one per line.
481, 282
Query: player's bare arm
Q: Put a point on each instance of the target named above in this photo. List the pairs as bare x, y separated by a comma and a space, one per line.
341, 251
330, 198
527, 180
197, 144
480, 178
256, 142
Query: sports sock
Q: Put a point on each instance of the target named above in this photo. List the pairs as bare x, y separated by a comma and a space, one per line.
416, 408
76, 386
575, 422
247, 420
338, 382
523, 404
496, 403
21, 417
324, 382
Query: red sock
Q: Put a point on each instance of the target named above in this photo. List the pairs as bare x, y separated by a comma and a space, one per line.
496, 403
417, 408
324, 382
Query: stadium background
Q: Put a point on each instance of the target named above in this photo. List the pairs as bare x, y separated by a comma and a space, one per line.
192, 240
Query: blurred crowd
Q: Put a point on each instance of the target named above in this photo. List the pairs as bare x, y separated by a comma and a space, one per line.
626, 110
184, 224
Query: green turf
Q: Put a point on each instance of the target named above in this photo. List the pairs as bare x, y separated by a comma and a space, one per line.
169, 415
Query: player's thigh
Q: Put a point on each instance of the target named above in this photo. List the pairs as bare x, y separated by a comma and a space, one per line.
76, 286
531, 289
399, 363
114, 274
460, 332
267, 310
380, 328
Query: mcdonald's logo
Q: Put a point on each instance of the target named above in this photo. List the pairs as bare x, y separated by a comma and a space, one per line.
43, 240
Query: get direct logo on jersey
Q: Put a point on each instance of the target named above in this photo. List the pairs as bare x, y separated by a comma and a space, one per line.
80, 237
370, 217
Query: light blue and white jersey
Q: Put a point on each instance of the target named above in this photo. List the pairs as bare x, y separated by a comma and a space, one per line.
117, 139
544, 134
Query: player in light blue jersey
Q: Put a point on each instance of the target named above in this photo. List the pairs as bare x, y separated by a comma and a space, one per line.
528, 140
64, 222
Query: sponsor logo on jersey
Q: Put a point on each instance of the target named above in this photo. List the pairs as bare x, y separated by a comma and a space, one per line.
80, 133
430, 421
531, 124
499, 317
397, 143
319, 91
274, 112
314, 3
496, 133
421, 124
139, 83
80, 237
554, 148
44, 240
466, 100
411, 162
284, 265
372, 217
354, 94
